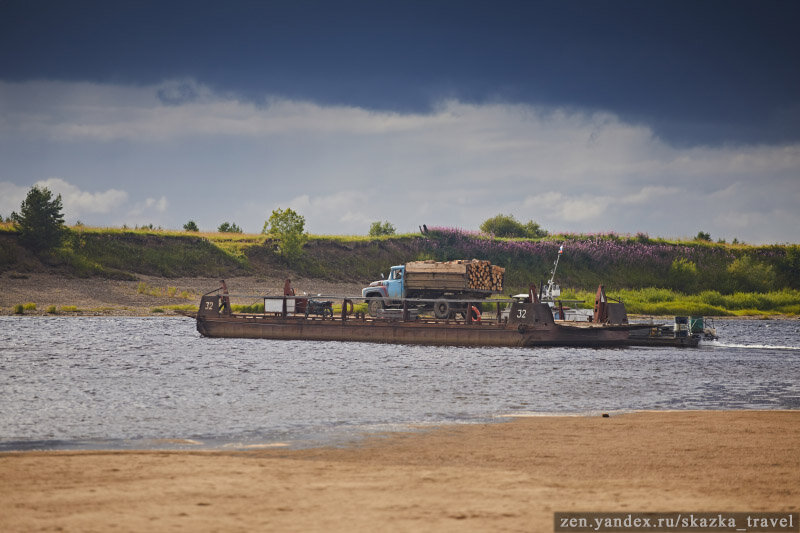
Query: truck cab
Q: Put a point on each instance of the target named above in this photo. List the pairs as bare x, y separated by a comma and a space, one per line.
391, 288
395, 286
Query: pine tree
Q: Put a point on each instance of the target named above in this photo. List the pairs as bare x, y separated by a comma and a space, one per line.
40, 222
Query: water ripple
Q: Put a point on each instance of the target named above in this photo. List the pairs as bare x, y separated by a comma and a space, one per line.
110, 381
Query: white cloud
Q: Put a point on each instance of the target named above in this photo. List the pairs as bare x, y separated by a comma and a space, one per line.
344, 167
587, 207
649, 193
11, 196
76, 202
348, 210
160, 205
149, 206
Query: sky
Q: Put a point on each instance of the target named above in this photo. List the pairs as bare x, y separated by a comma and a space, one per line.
661, 117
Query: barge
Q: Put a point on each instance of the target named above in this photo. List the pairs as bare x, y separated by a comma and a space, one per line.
529, 322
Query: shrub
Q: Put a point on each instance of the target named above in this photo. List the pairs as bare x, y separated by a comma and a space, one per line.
29, 306
747, 275
377, 229
19, 309
789, 267
69, 308
40, 222
227, 227
712, 298
683, 275
191, 226
51, 310
508, 226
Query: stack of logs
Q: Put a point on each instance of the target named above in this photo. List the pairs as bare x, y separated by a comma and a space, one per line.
484, 276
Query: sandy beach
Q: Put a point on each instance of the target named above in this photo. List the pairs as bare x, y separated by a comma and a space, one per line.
491, 477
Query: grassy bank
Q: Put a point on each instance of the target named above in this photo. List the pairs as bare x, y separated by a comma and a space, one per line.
652, 301
652, 276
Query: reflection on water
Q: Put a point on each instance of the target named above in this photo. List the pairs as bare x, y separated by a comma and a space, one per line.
154, 382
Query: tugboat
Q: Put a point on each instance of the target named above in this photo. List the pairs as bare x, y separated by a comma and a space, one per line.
685, 331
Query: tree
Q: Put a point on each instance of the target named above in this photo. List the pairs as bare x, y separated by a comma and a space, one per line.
226, 227
288, 228
40, 222
191, 226
377, 229
508, 226
703, 236
534, 230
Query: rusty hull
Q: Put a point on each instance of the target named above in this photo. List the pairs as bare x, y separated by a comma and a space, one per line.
529, 324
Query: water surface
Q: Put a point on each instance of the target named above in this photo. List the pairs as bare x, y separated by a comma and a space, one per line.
111, 382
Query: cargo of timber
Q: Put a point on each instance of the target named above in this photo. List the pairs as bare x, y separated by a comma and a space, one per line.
528, 321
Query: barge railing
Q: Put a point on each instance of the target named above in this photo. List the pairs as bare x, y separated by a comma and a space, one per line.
287, 306
217, 303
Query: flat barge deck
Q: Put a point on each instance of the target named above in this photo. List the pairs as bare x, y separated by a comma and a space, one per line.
528, 323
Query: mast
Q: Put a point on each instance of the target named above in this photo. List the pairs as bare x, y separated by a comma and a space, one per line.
550, 283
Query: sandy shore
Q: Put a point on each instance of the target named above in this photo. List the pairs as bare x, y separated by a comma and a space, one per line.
96, 296
497, 477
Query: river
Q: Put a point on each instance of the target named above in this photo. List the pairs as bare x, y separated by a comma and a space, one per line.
119, 383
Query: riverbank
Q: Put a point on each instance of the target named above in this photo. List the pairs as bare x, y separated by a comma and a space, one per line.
509, 477
146, 296
54, 294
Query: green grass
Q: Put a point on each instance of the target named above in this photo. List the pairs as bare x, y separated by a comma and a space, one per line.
652, 301
168, 292
188, 308
252, 308
357, 308
117, 253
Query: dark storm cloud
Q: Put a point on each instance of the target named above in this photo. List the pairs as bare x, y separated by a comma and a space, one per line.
695, 72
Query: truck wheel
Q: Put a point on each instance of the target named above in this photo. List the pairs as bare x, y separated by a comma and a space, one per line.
441, 309
374, 306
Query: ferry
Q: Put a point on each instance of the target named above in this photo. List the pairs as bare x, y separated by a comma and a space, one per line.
528, 322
